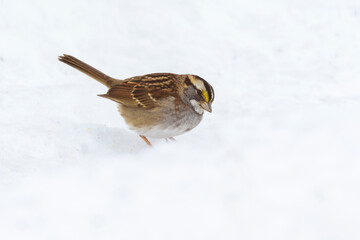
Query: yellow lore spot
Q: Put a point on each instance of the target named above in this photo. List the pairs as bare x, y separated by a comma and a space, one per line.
206, 96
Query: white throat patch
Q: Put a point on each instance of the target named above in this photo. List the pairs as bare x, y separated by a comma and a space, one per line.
197, 106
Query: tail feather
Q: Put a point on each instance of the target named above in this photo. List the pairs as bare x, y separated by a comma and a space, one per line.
87, 69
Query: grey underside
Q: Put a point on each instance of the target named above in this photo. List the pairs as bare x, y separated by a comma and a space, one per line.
162, 122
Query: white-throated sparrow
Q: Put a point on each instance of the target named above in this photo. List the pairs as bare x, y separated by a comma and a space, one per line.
157, 105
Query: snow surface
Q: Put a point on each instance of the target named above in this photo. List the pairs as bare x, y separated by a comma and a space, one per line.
277, 159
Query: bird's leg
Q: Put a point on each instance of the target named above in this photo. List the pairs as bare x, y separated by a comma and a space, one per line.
172, 139
146, 140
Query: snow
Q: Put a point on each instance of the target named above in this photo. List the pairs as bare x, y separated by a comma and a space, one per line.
278, 158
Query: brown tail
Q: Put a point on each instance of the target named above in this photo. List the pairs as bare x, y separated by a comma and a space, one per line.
87, 69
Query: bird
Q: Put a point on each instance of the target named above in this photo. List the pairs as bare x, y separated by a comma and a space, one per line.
155, 105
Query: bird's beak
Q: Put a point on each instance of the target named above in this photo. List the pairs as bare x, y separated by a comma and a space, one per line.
206, 106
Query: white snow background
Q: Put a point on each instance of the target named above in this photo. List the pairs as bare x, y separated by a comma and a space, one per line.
278, 158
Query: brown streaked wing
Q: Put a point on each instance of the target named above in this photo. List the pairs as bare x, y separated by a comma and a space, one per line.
121, 93
141, 91
160, 85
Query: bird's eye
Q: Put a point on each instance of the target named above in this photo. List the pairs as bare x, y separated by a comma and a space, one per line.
199, 92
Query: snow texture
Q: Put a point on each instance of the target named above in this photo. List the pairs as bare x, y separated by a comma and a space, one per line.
278, 158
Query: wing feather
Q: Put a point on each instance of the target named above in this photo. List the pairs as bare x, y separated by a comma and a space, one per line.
143, 91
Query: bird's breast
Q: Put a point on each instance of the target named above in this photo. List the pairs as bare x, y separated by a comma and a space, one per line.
164, 122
